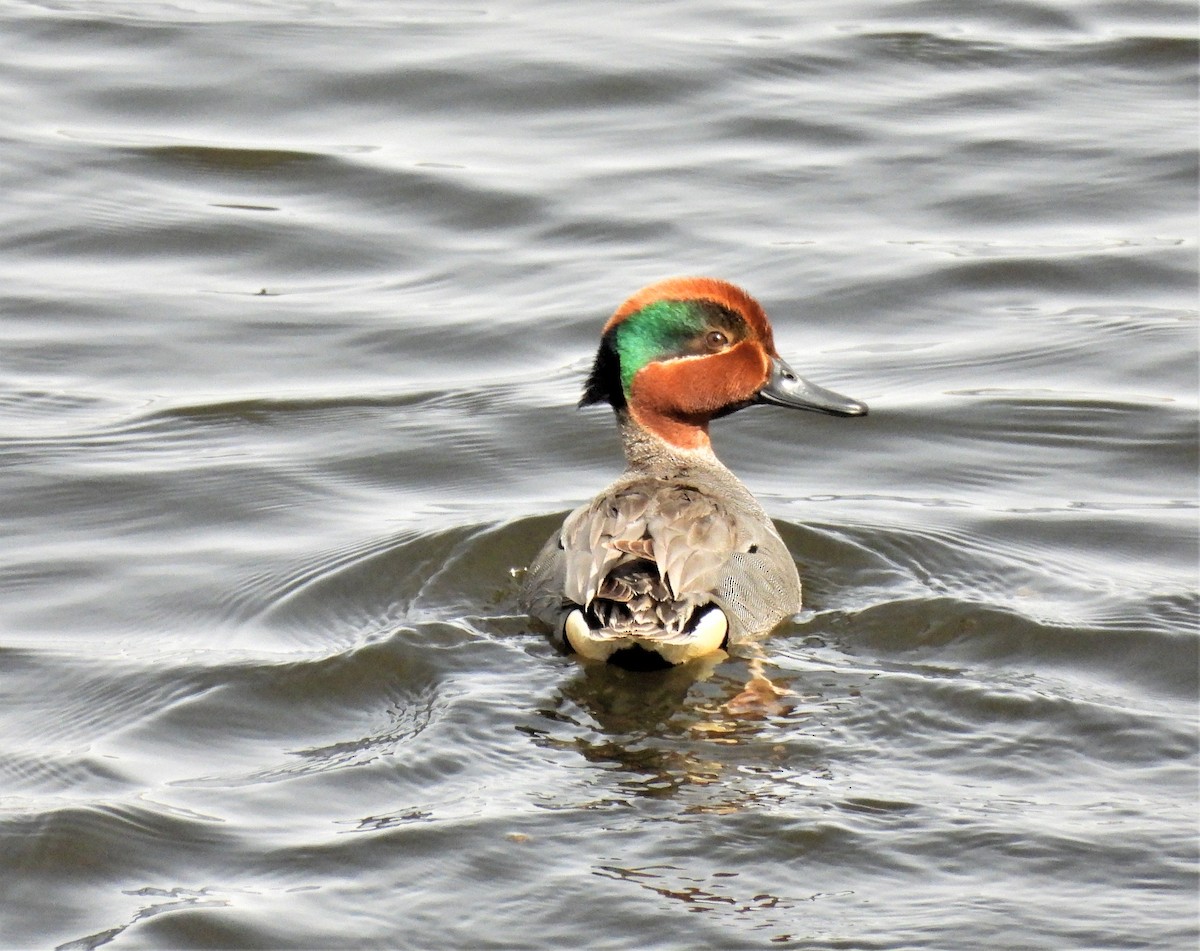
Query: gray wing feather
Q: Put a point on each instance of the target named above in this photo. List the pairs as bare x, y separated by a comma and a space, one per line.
706, 548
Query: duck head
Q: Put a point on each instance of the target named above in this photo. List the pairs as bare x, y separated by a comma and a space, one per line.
687, 350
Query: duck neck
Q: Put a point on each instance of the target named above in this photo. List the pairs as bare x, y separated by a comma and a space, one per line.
659, 443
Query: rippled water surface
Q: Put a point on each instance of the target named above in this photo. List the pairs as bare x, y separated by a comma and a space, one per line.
297, 299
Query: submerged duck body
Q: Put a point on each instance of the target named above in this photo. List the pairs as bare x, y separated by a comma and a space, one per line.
676, 559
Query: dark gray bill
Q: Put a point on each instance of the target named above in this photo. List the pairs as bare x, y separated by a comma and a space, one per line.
786, 388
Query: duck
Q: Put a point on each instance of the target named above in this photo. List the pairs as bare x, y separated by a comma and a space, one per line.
675, 560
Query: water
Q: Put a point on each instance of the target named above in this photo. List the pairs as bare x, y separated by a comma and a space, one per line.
296, 302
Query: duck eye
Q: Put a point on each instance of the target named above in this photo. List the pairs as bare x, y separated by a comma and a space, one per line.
716, 340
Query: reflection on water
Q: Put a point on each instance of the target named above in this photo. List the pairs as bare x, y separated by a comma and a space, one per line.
717, 891
692, 726
176, 899
297, 302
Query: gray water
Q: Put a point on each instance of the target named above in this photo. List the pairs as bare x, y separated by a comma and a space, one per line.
297, 300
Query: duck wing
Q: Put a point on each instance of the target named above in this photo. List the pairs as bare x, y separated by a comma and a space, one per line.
643, 556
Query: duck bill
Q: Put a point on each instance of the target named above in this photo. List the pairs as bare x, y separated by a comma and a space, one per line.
787, 388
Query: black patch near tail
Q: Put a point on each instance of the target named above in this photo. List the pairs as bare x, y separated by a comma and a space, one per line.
638, 658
